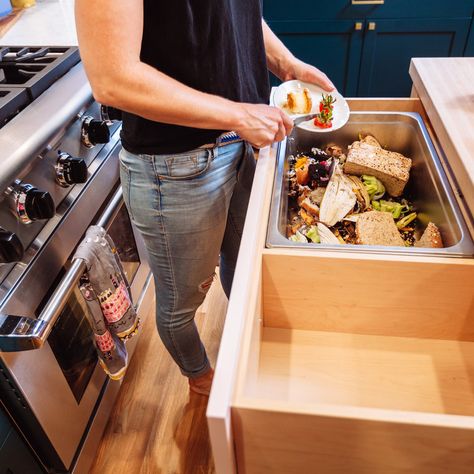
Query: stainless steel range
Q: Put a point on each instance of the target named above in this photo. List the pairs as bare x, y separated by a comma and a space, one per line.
58, 175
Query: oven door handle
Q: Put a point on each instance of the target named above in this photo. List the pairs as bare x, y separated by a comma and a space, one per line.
20, 333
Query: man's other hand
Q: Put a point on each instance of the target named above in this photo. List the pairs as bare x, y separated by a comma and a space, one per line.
261, 125
302, 71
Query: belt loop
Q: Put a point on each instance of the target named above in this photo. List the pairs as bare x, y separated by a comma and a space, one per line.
213, 153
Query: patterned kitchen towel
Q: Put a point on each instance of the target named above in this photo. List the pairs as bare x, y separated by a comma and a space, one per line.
107, 293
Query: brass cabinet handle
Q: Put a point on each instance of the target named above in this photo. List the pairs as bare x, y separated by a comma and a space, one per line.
372, 25
358, 26
368, 2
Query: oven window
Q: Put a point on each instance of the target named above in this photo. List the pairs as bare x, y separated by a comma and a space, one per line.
122, 235
71, 339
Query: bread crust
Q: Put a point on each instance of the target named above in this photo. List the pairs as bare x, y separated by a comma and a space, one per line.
431, 238
378, 228
391, 168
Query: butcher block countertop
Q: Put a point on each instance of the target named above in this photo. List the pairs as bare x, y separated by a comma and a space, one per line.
446, 88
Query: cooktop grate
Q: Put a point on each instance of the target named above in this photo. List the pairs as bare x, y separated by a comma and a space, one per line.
35, 68
12, 101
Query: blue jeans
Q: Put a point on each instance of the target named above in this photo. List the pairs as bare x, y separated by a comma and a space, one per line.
189, 208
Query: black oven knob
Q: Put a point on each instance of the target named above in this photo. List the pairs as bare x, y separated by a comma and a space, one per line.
11, 249
70, 170
94, 132
110, 114
31, 204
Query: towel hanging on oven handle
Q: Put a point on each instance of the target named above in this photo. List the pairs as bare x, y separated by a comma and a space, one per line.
21, 333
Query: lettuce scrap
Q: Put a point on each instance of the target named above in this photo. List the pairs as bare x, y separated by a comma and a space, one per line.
374, 187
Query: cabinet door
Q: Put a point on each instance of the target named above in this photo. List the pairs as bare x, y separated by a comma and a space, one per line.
389, 46
347, 9
333, 46
469, 51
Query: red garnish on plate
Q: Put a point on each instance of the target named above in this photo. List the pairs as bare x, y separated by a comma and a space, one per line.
324, 119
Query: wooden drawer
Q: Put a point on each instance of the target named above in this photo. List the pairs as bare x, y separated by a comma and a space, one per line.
345, 9
343, 362
350, 370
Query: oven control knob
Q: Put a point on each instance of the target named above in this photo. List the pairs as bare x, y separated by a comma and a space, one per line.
31, 204
11, 249
70, 170
110, 114
94, 132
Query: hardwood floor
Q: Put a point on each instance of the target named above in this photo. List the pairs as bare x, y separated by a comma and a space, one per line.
157, 426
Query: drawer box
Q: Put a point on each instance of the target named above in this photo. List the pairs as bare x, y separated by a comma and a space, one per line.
343, 362
381, 381
279, 10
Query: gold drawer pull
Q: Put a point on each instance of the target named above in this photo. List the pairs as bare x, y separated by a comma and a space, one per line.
368, 2
372, 25
358, 26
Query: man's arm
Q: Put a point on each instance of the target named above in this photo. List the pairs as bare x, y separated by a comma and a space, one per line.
110, 34
285, 66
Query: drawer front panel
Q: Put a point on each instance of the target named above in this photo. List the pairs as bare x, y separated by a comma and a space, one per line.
343, 9
279, 442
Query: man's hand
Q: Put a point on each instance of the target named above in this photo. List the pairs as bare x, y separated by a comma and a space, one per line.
284, 65
261, 125
305, 72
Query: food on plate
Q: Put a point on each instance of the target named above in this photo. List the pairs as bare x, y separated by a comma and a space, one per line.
326, 108
391, 168
431, 237
328, 206
299, 102
377, 228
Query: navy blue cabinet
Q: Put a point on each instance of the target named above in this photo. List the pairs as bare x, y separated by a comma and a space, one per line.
285, 10
366, 49
390, 44
469, 51
334, 47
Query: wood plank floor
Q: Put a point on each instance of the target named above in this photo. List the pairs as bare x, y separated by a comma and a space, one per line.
157, 426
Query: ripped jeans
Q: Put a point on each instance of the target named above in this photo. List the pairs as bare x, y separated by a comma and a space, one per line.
189, 208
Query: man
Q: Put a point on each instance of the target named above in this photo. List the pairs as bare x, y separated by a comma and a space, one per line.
185, 72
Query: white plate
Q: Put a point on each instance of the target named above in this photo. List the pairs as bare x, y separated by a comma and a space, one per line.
341, 110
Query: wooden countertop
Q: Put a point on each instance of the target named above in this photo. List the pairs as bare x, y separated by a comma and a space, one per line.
446, 88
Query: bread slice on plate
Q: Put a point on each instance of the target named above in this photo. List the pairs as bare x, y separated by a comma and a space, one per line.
377, 228
391, 168
299, 102
431, 238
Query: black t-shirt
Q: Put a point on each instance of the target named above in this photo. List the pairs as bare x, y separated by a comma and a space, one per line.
215, 46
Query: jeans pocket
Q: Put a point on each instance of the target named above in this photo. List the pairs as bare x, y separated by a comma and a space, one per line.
125, 182
184, 165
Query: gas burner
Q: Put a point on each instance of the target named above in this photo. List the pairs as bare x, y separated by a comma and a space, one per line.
35, 68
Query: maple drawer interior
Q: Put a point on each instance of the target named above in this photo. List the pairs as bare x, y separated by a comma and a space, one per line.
336, 332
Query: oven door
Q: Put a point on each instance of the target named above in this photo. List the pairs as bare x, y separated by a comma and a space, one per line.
55, 390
